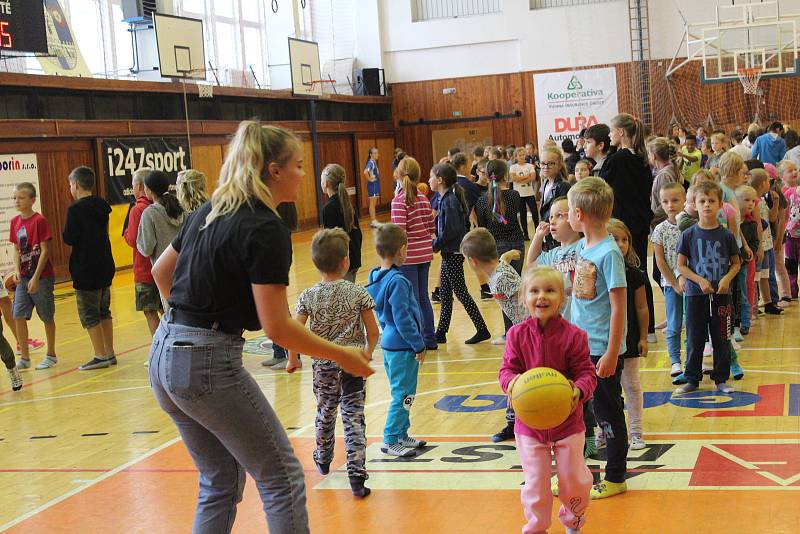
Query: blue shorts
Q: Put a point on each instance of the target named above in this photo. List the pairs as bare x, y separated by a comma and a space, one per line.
374, 189
43, 300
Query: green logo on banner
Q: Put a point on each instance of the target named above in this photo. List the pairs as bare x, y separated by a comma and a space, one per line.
574, 84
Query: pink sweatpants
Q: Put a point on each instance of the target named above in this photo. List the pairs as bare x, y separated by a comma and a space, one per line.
574, 482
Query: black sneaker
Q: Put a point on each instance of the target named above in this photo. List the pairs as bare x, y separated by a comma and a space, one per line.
435, 297
441, 337
504, 435
96, 363
486, 295
357, 485
772, 309
323, 469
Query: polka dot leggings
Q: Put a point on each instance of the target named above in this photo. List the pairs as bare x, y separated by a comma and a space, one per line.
452, 280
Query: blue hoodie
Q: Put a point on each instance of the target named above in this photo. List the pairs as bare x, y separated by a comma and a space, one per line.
768, 149
398, 311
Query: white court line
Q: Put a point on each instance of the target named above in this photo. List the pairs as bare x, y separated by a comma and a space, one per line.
71, 395
87, 485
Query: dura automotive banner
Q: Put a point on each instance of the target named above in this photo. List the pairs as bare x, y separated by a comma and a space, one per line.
569, 101
123, 157
14, 169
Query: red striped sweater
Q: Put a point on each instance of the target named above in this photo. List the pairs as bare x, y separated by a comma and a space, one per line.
417, 221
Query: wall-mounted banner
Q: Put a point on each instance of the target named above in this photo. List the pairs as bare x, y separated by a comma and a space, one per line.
64, 57
14, 169
569, 101
123, 157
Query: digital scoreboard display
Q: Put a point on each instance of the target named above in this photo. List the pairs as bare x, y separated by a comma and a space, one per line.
22, 26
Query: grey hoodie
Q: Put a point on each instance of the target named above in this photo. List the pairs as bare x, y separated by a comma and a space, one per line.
156, 231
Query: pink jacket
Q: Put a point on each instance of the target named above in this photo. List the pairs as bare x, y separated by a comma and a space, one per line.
561, 346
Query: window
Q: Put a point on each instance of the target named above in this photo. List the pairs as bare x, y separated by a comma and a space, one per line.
436, 9
541, 4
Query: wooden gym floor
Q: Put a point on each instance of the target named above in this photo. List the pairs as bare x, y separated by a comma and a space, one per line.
92, 452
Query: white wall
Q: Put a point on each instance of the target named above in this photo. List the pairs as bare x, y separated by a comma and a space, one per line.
368, 35
518, 39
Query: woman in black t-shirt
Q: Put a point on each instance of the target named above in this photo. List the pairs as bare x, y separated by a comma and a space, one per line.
338, 212
225, 272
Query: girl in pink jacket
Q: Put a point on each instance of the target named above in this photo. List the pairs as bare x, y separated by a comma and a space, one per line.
547, 340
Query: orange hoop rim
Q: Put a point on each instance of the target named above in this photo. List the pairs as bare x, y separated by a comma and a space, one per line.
750, 71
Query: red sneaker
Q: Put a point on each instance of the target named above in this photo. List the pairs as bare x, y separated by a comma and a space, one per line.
35, 344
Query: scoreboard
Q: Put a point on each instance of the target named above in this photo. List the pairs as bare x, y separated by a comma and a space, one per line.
22, 27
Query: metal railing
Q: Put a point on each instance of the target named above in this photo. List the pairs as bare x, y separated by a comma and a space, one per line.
422, 10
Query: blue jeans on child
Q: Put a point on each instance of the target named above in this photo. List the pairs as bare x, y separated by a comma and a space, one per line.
401, 368
744, 303
674, 305
769, 263
418, 276
228, 427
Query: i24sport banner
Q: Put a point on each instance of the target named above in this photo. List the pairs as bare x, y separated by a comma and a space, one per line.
123, 157
569, 101
15, 169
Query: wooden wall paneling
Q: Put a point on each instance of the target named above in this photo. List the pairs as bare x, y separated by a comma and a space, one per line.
386, 156
208, 160
363, 144
307, 211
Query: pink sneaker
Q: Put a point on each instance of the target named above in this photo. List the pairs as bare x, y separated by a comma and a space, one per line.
35, 344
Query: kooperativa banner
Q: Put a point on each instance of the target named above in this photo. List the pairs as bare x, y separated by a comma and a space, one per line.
14, 169
569, 101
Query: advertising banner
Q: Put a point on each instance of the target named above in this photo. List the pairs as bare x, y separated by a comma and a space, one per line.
569, 101
14, 169
123, 157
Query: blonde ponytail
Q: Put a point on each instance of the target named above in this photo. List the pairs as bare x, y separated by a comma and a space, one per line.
245, 170
634, 130
409, 170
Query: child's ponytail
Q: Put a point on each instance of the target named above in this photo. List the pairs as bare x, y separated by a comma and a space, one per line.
409, 171
497, 170
634, 130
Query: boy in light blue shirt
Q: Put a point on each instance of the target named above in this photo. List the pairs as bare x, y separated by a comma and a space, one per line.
598, 307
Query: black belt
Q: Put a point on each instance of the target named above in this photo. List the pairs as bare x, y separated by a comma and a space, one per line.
187, 319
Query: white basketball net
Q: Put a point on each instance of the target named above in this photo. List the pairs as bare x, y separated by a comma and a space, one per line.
750, 78
205, 90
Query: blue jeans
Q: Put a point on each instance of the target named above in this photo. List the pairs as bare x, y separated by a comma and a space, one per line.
228, 427
401, 368
744, 303
674, 305
418, 276
769, 263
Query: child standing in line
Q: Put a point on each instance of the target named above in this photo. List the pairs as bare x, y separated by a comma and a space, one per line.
786, 170
791, 246
402, 342
338, 212
598, 307
547, 340
665, 238
451, 226
768, 211
582, 170
708, 257
526, 183
30, 234
339, 311
480, 250
91, 265
190, 188
636, 339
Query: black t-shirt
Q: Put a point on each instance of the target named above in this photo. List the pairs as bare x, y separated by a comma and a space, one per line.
508, 231
630, 178
333, 217
217, 265
91, 263
635, 279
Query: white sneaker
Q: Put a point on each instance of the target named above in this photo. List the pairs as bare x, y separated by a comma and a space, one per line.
735, 344
651, 338
676, 370
637, 443
374, 224
737, 334
783, 304
16, 380
397, 449
708, 350
499, 340
413, 443
722, 387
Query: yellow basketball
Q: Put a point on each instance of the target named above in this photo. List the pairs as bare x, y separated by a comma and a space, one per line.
542, 398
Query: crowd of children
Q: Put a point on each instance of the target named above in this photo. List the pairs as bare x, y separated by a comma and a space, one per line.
725, 232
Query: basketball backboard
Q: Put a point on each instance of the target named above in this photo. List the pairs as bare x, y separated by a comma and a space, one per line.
181, 49
304, 63
745, 36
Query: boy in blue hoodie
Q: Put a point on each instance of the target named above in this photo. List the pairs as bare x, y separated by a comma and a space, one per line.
402, 342
770, 147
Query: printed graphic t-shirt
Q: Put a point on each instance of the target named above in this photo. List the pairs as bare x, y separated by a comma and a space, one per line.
598, 270
667, 235
708, 254
563, 259
504, 284
334, 312
28, 234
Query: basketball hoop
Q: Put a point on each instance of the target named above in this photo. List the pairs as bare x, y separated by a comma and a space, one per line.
205, 90
750, 78
320, 82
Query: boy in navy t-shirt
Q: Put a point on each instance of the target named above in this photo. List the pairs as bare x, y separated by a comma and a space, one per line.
708, 258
